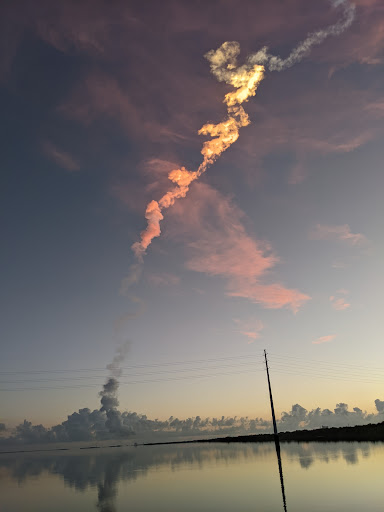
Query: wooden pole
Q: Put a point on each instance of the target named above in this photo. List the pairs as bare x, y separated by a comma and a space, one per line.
276, 435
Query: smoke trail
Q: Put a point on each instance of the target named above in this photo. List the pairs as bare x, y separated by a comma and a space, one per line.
109, 400
245, 79
275, 63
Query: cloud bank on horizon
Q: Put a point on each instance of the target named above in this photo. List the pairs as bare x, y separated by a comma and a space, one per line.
87, 425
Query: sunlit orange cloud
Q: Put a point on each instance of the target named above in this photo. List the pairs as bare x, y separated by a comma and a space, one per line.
222, 247
339, 232
324, 339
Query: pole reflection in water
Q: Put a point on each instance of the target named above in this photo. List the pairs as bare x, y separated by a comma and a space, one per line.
277, 445
275, 434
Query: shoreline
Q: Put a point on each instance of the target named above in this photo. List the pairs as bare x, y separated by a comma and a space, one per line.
373, 432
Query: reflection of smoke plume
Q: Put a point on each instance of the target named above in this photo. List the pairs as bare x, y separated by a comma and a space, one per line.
245, 80
107, 490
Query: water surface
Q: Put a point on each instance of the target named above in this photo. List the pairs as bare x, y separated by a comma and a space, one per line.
196, 477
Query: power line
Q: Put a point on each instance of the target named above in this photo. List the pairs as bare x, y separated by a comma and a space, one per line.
202, 368
323, 376
331, 371
181, 370
153, 365
123, 383
329, 363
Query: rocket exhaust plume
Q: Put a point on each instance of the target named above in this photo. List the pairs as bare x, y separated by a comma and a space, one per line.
109, 400
245, 79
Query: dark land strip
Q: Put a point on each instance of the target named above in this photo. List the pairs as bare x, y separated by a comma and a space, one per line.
371, 432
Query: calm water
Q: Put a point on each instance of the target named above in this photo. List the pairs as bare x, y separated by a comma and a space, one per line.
201, 477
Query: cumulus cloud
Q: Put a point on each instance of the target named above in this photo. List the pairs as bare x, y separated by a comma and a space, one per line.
337, 232
87, 425
299, 418
324, 339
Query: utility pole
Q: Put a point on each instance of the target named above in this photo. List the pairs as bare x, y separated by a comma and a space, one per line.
276, 435
270, 397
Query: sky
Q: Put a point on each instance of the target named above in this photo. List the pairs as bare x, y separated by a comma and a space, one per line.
278, 245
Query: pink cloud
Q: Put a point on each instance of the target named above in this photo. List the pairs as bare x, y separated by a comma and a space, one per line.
272, 296
337, 232
324, 339
251, 329
339, 303
60, 157
222, 247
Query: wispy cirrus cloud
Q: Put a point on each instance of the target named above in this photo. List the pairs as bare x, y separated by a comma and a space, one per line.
221, 246
251, 329
324, 339
60, 157
337, 232
163, 279
338, 301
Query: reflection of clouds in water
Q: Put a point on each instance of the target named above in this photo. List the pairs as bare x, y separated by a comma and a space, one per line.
105, 468
308, 453
81, 469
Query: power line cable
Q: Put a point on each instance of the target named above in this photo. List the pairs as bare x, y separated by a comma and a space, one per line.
331, 371
172, 363
181, 370
330, 363
77, 386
